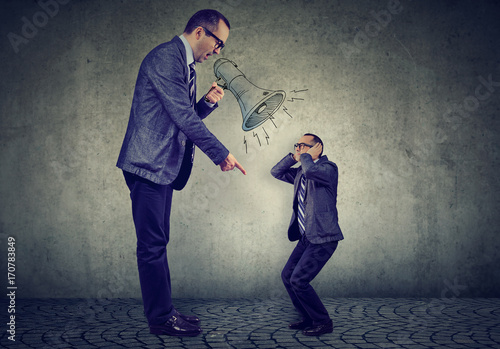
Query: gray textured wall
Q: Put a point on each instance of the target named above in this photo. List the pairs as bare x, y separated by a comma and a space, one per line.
398, 91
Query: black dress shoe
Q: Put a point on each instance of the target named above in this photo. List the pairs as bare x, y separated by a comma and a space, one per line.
301, 325
189, 318
319, 330
176, 326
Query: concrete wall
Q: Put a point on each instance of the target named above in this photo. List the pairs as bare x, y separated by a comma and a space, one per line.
405, 95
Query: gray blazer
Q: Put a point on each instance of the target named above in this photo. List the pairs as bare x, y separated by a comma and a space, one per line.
162, 119
321, 219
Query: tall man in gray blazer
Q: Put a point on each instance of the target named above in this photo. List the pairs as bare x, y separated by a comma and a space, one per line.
158, 150
314, 224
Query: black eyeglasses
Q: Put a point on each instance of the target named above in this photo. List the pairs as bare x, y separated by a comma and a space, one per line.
301, 145
219, 44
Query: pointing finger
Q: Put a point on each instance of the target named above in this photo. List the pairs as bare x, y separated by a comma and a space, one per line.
240, 168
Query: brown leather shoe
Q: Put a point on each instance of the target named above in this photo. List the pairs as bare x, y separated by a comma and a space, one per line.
176, 326
189, 318
319, 330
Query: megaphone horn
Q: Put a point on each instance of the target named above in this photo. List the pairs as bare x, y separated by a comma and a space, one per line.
257, 104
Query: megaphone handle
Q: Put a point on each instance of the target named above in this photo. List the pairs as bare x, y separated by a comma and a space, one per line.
224, 87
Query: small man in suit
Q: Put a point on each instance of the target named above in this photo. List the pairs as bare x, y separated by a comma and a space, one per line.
157, 154
314, 224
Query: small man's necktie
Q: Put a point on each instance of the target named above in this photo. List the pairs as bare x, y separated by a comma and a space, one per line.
192, 82
301, 196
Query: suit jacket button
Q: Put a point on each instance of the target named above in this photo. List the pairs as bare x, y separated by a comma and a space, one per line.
183, 143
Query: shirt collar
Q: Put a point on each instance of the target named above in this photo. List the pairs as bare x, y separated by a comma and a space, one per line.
189, 50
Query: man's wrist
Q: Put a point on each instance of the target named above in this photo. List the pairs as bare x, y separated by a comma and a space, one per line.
210, 104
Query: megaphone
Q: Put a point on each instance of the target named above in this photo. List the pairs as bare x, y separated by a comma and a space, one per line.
257, 104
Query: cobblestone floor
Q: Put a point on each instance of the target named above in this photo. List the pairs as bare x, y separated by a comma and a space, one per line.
253, 323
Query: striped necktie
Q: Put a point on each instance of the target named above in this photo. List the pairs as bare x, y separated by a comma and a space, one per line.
192, 82
301, 212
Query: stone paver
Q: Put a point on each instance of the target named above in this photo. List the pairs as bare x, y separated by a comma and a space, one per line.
258, 323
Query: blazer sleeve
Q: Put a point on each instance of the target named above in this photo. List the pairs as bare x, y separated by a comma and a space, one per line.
204, 109
321, 172
166, 72
284, 171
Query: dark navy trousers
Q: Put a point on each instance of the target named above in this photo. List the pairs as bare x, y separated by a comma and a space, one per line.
151, 204
305, 262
